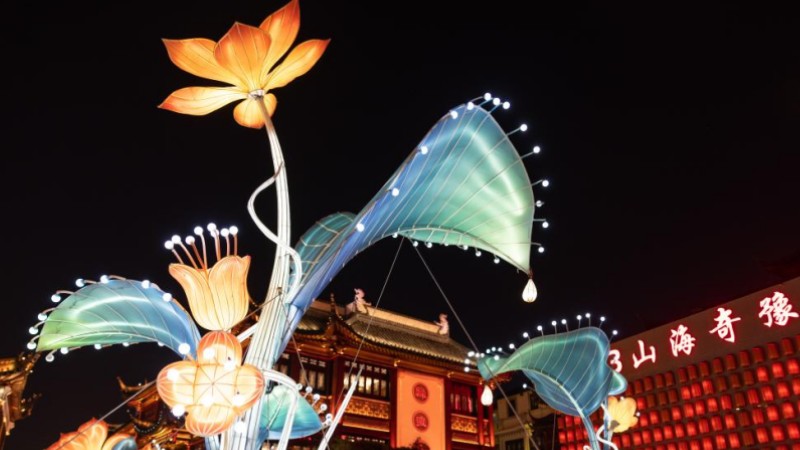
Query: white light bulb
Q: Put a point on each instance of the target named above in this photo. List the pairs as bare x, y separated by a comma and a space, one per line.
545, 183
104, 279
395, 192
524, 385
31, 345
545, 224
466, 360
323, 407
523, 127
184, 349
537, 149
496, 101
541, 249
160, 344
211, 227
554, 323
63, 350
49, 357
525, 335
466, 369
506, 105
145, 284
465, 247
33, 330
178, 410
225, 232
176, 239
471, 354
579, 317
126, 344
198, 230
97, 346
415, 243
487, 96
360, 227
173, 374
587, 315
234, 230
511, 346
470, 106
454, 114
563, 321
394, 235
329, 416
602, 318
80, 283
55, 298
42, 316
487, 397
539, 203
496, 260
169, 245
478, 253
530, 292
424, 149
167, 297
538, 328
614, 332
429, 244
496, 357
189, 240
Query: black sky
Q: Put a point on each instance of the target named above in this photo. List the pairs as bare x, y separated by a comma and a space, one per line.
670, 137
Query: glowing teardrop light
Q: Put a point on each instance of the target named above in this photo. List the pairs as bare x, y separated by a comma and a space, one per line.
487, 397
530, 293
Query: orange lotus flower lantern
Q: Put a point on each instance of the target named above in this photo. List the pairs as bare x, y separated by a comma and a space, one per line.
245, 59
92, 436
217, 296
213, 390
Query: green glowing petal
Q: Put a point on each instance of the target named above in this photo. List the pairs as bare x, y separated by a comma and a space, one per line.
273, 415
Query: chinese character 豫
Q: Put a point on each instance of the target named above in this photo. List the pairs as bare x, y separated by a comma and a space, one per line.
724, 328
681, 341
777, 309
638, 361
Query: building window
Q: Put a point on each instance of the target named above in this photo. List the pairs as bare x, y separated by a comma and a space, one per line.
314, 373
516, 444
283, 364
462, 399
374, 381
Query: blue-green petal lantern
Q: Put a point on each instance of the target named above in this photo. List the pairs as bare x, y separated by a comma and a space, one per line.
273, 415
464, 184
569, 371
116, 312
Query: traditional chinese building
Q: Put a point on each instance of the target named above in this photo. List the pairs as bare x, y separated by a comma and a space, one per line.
413, 388
724, 378
13, 378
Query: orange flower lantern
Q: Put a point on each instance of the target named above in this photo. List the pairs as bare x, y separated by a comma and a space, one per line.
91, 436
245, 59
623, 414
213, 390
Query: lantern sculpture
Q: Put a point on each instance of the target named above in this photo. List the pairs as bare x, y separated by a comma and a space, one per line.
622, 413
214, 389
92, 436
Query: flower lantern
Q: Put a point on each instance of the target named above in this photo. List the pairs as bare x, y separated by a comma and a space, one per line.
214, 389
92, 436
623, 414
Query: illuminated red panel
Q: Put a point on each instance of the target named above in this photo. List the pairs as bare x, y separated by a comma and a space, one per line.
676, 413
734, 381
707, 445
744, 358
758, 355
716, 423
659, 381
616, 440
699, 407
648, 383
787, 411
721, 444
653, 418
672, 447
702, 425
716, 366
777, 370
738, 400
748, 378
694, 445
562, 437
792, 366
669, 378
786, 346
730, 362
747, 438
704, 370
777, 433
643, 422
793, 430
561, 421
722, 385
683, 446
657, 435
661, 447
688, 411
679, 434
662, 398
651, 401
570, 435
640, 403
664, 415
673, 395
730, 421
758, 416
733, 440
626, 440
762, 435
692, 371
743, 418
772, 351
762, 375
752, 397
682, 377
711, 403
637, 438
725, 402
767, 394
686, 393
772, 413
646, 437
708, 387
696, 390
668, 434
796, 386
637, 387
691, 429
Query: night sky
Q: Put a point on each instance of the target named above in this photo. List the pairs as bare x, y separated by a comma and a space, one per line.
669, 135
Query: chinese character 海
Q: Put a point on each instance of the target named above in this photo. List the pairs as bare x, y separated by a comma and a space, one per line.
776, 309
638, 361
724, 328
681, 341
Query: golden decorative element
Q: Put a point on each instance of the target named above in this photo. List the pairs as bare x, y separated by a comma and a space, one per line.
464, 423
368, 408
244, 58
